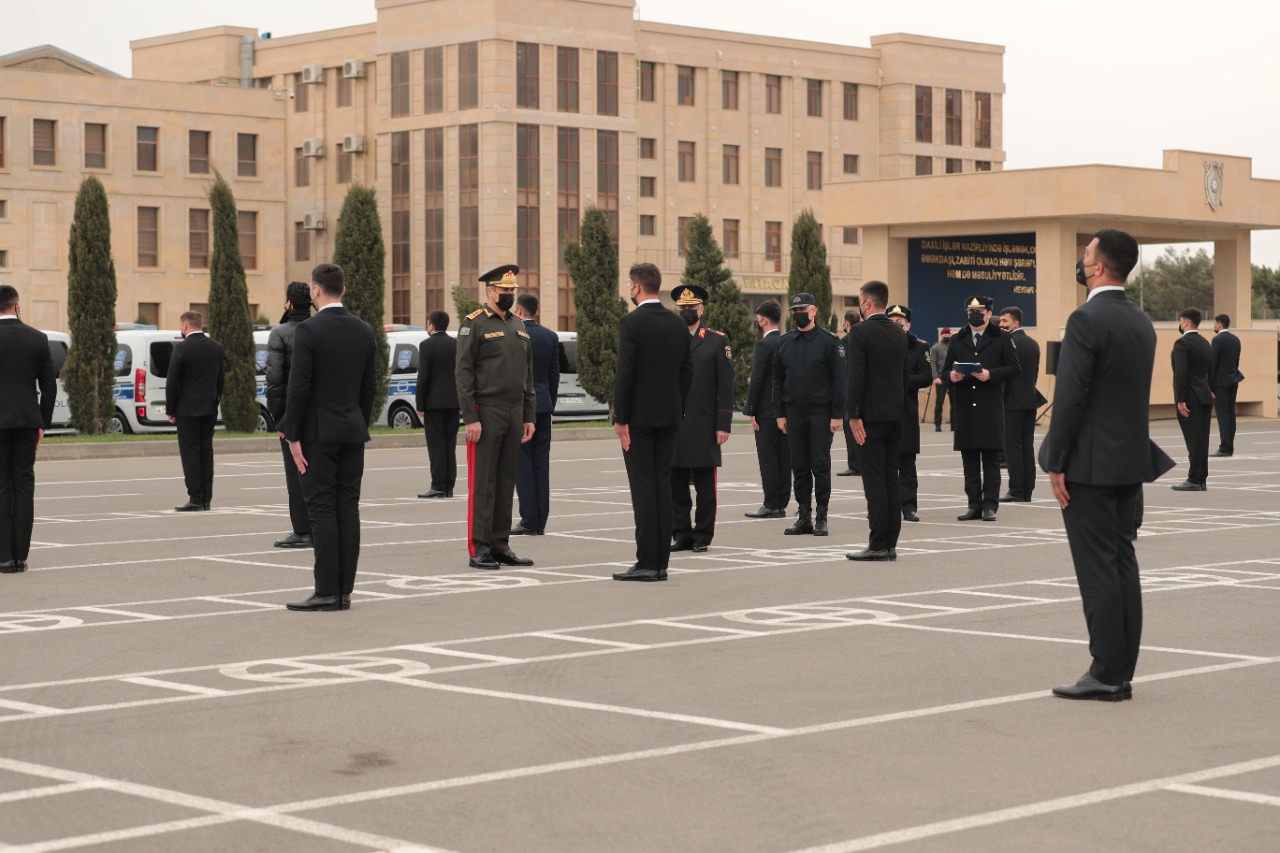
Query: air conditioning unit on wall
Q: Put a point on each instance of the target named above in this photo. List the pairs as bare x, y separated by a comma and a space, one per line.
353, 143
313, 147
313, 221
313, 74
353, 68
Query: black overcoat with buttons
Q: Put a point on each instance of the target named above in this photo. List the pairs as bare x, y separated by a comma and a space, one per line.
919, 375
710, 405
979, 406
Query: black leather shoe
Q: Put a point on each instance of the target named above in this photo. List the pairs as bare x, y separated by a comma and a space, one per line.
893, 553
1011, 498
295, 540
937, 427
317, 602
433, 493
868, 555
909, 515
765, 512
847, 472
802, 527
208, 507
699, 548
190, 507
483, 561
681, 546
1219, 454
448, 493
509, 558
635, 573
345, 604
988, 515
972, 515
1188, 486
521, 530
1089, 687
13, 567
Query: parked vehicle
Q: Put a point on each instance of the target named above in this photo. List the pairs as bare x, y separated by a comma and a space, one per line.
572, 402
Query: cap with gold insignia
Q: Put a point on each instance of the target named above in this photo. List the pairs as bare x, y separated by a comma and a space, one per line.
900, 311
802, 300
503, 276
980, 303
689, 294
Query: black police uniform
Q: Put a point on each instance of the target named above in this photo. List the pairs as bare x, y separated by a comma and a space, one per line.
709, 410
919, 375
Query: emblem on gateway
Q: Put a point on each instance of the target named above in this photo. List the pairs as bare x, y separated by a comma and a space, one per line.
1213, 185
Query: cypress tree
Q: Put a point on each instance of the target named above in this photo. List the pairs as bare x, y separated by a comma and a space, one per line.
229, 321
809, 270
89, 374
359, 250
726, 310
593, 265
464, 300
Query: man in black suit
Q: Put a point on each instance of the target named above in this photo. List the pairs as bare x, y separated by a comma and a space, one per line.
977, 403
1192, 355
650, 389
1021, 400
192, 392
771, 444
437, 404
919, 375
877, 356
297, 307
852, 317
326, 422
1224, 379
1098, 453
28, 388
533, 477
708, 415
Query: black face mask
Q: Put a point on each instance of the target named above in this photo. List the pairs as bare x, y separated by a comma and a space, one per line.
977, 318
505, 301
801, 318
689, 315
635, 302
1081, 278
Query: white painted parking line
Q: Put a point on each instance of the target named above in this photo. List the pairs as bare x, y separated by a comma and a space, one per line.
44, 791
1227, 794
550, 635
86, 497
173, 685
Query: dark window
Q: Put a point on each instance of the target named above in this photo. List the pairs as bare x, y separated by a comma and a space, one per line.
148, 149
850, 101
772, 93
344, 92
773, 244
954, 165
813, 170
924, 165
607, 178
301, 95
343, 161
528, 211
401, 225
606, 83
982, 165
434, 214
773, 167
730, 164
301, 169
682, 234
247, 155
568, 224
730, 238
469, 201
648, 148
850, 235
982, 119
198, 152
301, 243
433, 80
924, 114
44, 139
95, 147
647, 73
405, 360
400, 84
648, 187
148, 236
468, 75
813, 98
648, 224
567, 79
954, 120
526, 77
2, 141
851, 164
247, 222
148, 312
686, 76
686, 166
198, 239
729, 90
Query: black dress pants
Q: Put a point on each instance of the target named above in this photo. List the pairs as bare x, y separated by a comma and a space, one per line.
298, 517
1195, 432
441, 429
332, 489
879, 458
533, 478
1224, 404
195, 449
982, 478
1100, 531
649, 476
703, 529
850, 449
774, 453
809, 437
17, 491
908, 482
1019, 451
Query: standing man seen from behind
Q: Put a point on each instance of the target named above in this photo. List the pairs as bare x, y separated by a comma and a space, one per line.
297, 308
437, 404
1224, 380
650, 388
196, 374
331, 386
1098, 453
1192, 355
987, 360
941, 383
771, 443
533, 480
809, 393
495, 392
877, 356
919, 375
708, 415
851, 318
28, 388
1021, 401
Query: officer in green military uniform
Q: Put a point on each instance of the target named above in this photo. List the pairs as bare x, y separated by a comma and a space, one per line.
496, 396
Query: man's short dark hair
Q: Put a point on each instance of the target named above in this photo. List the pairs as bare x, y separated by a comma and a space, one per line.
1224, 320
1117, 251
771, 311
330, 279
192, 319
876, 292
439, 320
647, 276
528, 304
1192, 314
1013, 311
8, 296
853, 316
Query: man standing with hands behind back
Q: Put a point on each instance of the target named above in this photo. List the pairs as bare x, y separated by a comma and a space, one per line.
1021, 400
771, 443
1192, 355
533, 478
437, 399
326, 422
1224, 378
297, 308
194, 387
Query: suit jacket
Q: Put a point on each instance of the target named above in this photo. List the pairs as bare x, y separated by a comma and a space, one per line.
760, 387
1100, 433
710, 402
877, 356
1020, 392
1225, 363
332, 383
979, 406
437, 359
1192, 355
27, 384
919, 375
546, 364
196, 373
654, 371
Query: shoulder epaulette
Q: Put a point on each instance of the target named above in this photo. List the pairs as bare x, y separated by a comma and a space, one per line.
476, 313
702, 333
714, 332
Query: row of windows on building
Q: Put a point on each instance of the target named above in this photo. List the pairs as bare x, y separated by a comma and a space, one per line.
148, 222
953, 117
730, 169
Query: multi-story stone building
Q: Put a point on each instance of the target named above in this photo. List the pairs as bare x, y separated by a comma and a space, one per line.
487, 129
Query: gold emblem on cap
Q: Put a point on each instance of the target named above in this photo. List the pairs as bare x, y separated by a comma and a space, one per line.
508, 279
975, 302
897, 309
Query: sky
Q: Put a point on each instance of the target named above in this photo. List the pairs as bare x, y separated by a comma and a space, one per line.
1114, 83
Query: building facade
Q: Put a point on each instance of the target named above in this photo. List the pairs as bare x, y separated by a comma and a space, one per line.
487, 129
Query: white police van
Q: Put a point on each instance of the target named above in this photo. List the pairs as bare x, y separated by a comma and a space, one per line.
59, 346
400, 411
572, 401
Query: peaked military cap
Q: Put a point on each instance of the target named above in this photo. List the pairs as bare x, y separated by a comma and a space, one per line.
802, 300
899, 311
503, 276
689, 294
979, 303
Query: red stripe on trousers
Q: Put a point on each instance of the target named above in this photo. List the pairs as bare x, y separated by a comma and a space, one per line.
471, 494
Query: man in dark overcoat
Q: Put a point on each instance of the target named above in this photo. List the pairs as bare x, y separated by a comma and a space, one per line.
919, 375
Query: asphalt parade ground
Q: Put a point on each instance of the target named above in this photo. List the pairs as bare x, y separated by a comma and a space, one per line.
772, 696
